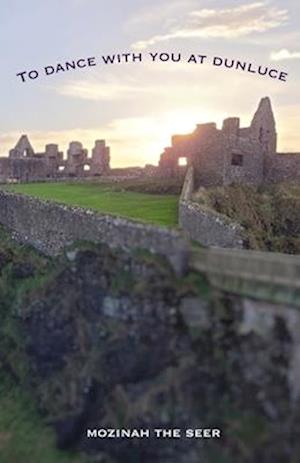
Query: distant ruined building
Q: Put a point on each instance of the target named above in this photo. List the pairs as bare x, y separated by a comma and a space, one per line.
233, 154
219, 157
24, 164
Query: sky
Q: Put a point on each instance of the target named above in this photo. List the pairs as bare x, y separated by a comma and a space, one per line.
137, 106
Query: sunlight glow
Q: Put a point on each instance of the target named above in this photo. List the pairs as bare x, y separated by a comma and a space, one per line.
182, 162
134, 141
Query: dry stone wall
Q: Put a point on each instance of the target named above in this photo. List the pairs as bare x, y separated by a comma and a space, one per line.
208, 228
49, 227
203, 225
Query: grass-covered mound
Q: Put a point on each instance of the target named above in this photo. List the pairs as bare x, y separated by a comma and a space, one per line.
149, 201
270, 215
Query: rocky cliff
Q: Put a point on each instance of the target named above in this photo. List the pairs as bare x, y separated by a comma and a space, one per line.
103, 338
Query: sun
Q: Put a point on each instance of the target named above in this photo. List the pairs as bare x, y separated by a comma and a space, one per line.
159, 130
181, 122
133, 141
144, 139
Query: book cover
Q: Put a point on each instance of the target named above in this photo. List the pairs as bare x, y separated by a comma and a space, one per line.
149, 231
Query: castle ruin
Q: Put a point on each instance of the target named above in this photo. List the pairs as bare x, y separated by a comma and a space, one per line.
219, 156
23, 164
233, 154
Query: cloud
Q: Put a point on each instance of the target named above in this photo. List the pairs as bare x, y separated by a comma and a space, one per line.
104, 91
284, 54
128, 89
162, 13
228, 23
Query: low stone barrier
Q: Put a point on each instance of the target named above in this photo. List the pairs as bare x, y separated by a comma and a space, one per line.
262, 275
49, 227
203, 225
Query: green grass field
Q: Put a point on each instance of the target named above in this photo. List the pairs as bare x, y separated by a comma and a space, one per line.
24, 437
152, 208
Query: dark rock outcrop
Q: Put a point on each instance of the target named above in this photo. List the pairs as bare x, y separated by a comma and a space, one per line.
115, 340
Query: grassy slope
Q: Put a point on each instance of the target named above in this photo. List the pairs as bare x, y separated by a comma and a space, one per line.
24, 436
152, 208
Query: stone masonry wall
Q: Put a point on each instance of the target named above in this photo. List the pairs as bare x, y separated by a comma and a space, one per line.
251, 170
283, 167
23, 169
207, 227
49, 227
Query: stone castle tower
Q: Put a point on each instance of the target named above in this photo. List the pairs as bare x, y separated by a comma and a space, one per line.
263, 127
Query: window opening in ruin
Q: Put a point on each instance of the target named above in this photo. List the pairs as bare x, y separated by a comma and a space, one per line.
86, 167
182, 162
237, 160
61, 168
261, 134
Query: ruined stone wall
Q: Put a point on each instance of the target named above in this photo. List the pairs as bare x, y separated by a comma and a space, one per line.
23, 164
208, 157
215, 153
49, 227
4, 169
203, 225
209, 228
282, 167
212, 153
250, 153
23, 169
